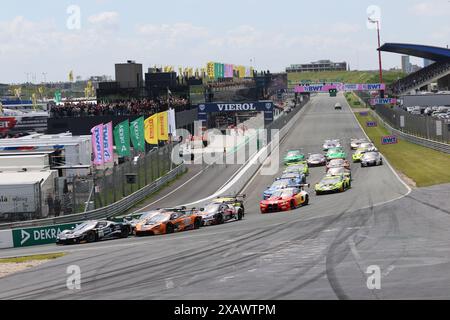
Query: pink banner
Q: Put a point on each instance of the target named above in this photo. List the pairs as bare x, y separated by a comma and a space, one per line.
340, 87
108, 155
97, 144
228, 71
374, 102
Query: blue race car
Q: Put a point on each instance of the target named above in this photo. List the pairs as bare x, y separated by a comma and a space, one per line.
299, 178
278, 185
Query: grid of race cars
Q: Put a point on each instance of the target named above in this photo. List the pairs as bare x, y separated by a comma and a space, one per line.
288, 192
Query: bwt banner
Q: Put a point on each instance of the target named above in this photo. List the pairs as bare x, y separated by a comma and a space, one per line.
340, 87
386, 140
374, 102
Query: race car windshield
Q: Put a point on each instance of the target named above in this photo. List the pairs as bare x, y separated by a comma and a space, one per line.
283, 193
371, 155
336, 171
158, 219
316, 157
331, 180
293, 153
290, 176
280, 183
212, 208
85, 225
337, 163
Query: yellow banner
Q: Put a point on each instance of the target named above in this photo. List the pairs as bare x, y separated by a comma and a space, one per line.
151, 129
210, 70
163, 126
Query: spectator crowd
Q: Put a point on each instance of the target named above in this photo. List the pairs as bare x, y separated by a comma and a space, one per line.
420, 77
145, 107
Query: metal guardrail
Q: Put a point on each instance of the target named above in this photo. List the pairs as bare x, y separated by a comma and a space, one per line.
438, 146
112, 210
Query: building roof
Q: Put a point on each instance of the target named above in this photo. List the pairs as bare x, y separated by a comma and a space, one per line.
417, 50
29, 177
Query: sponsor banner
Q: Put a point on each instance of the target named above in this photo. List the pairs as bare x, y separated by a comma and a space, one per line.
7, 123
228, 71
6, 239
97, 144
38, 236
108, 145
364, 114
210, 70
374, 102
389, 140
151, 129
172, 123
235, 107
325, 88
122, 139
137, 134
163, 126
371, 124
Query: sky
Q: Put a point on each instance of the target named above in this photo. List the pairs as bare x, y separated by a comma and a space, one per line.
46, 39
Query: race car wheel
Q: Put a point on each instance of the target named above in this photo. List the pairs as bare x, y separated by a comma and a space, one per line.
169, 228
342, 188
125, 233
219, 219
306, 201
240, 215
293, 206
198, 223
91, 237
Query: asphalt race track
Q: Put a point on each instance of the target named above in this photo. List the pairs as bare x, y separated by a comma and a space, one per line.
321, 251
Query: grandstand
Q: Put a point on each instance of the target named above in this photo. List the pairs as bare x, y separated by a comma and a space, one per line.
438, 72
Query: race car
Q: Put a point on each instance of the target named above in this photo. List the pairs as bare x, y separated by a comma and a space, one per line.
339, 171
332, 184
359, 153
236, 201
316, 160
278, 185
299, 178
169, 222
336, 153
338, 106
338, 163
93, 231
328, 144
294, 157
371, 159
285, 200
298, 168
356, 143
219, 213
134, 219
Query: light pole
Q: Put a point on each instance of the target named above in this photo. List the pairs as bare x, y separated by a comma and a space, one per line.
379, 46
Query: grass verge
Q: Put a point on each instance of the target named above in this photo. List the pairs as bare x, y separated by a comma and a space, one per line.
426, 167
39, 257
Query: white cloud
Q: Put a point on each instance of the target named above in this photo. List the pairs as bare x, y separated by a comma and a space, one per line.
107, 18
431, 8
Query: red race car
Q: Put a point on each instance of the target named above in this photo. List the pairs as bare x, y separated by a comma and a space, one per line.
285, 200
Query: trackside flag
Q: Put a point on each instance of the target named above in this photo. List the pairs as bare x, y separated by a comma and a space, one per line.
97, 144
163, 126
108, 147
137, 134
151, 129
122, 139
172, 123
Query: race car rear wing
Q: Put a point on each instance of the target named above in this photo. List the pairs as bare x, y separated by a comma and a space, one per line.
237, 197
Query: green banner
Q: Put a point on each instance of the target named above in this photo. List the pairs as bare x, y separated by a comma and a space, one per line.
137, 134
58, 97
122, 139
38, 236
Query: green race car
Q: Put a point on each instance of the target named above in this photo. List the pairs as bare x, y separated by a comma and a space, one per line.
332, 184
301, 168
336, 153
294, 157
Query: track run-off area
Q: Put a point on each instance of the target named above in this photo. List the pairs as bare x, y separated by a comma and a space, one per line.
321, 251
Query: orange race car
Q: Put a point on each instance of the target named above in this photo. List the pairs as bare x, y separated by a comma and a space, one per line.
173, 220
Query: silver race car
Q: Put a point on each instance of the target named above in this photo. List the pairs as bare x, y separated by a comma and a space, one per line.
370, 159
93, 231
